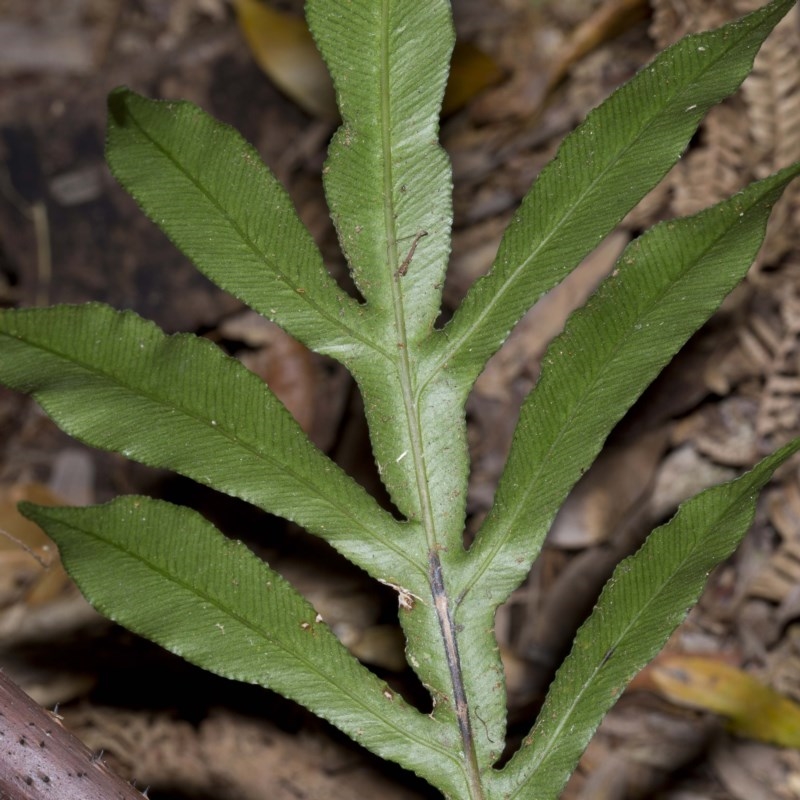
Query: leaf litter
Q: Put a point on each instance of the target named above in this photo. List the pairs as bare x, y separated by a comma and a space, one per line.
741, 374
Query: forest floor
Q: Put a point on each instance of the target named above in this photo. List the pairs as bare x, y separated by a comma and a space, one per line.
68, 233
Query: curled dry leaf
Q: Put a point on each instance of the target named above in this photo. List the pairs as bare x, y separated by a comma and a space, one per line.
38, 601
30, 571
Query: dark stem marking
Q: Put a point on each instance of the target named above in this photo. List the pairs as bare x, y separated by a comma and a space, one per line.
448, 629
403, 268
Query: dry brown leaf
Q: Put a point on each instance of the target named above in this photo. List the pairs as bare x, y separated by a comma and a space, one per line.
640, 745
681, 475
607, 21
29, 565
747, 137
784, 510
778, 418
37, 597
718, 169
285, 365
772, 92
779, 578
348, 604
673, 19
723, 432
605, 496
529, 339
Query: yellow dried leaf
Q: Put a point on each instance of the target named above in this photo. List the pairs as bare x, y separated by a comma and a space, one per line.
284, 49
753, 710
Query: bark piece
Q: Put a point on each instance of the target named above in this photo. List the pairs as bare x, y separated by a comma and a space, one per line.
39, 758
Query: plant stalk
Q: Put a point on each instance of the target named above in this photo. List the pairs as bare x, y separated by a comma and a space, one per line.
448, 629
397, 268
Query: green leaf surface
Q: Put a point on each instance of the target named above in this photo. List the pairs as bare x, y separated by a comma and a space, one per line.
388, 184
665, 285
116, 381
209, 600
647, 597
209, 191
387, 178
600, 172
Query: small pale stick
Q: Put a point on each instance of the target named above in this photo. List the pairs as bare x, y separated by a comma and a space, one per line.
403, 268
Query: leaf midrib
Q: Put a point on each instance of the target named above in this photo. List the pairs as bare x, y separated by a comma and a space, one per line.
345, 510
468, 763
451, 348
511, 516
537, 759
405, 371
276, 643
305, 296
